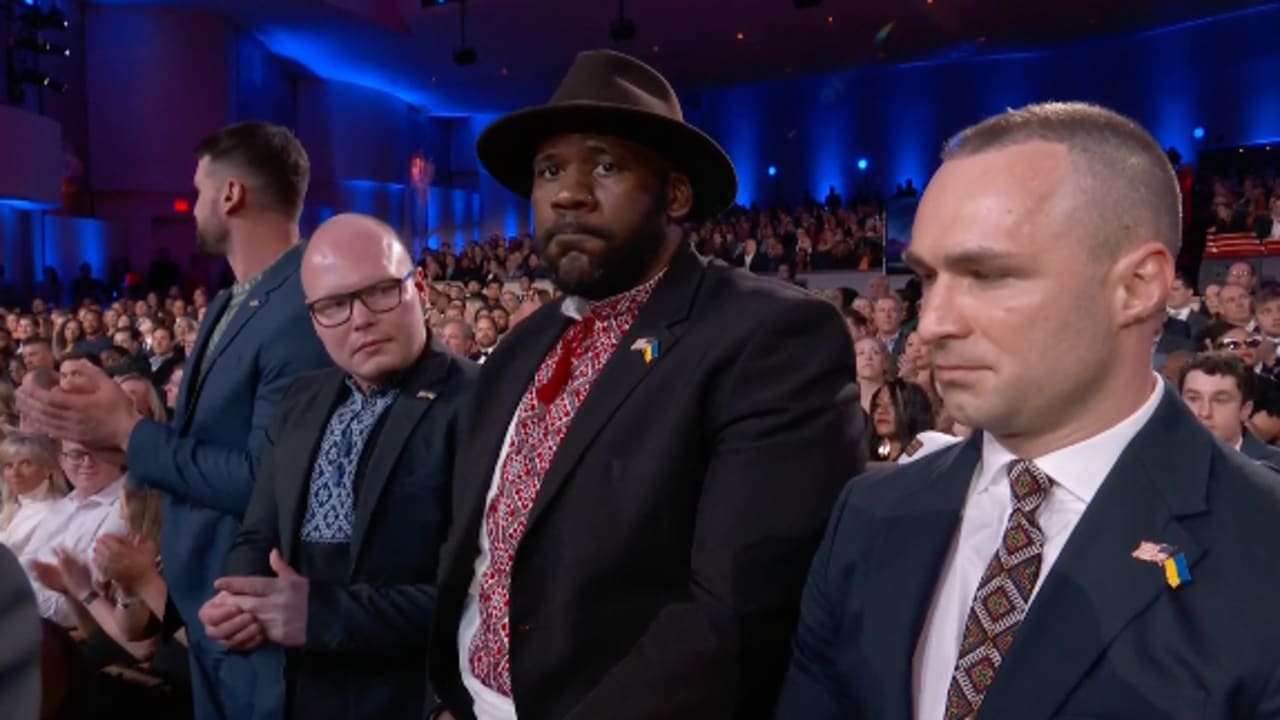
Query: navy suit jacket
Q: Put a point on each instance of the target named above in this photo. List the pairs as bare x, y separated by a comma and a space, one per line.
1105, 637
205, 460
1255, 449
370, 632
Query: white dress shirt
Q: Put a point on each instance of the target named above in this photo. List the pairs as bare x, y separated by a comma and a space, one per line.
1179, 313
74, 524
31, 510
1077, 472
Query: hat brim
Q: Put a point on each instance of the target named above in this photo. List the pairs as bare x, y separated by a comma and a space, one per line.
507, 147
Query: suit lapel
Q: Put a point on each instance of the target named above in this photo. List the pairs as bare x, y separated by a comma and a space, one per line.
1095, 587
417, 395
186, 393
661, 318
284, 266
294, 479
919, 532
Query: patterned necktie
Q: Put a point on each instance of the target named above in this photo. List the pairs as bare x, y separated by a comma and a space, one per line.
1003, 594
542, 419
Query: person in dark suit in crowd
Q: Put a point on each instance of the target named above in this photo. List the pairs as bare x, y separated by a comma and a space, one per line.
659, 446
20, 649
1179, 307
336, 559
1091, 551
1218, 388
251, 180
1175, 336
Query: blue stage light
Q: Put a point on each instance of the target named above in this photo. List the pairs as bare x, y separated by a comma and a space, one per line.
862, 164
1198, 133
772, 171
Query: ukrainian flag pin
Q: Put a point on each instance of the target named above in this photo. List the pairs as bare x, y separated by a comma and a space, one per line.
1176, 572
648, 347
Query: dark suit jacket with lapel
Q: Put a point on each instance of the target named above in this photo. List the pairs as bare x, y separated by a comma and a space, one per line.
659, 575
1263, 453
20, 647
1105, 636
205, 461
376, 626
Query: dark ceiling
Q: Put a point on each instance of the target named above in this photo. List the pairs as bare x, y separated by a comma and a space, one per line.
524, 46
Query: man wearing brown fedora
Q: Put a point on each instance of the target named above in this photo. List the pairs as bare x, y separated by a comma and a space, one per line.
652, 458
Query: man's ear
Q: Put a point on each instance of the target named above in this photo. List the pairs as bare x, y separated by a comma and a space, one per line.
679, 196
234, 197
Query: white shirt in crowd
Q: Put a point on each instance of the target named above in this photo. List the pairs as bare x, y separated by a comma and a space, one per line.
74, 524
1179, 313
31, 511
1077, 472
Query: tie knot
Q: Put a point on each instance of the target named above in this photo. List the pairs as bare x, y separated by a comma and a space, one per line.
1029, 485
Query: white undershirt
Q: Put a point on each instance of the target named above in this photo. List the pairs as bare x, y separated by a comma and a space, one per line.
74, 524
1077, 472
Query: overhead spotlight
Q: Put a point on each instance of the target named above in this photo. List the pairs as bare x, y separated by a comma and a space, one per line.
51, 19
37, 45
39, 79
862, 164
806, 4
1198, 133
464, 54
773, 171
622, 29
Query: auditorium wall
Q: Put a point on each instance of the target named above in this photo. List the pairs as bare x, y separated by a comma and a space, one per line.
1214, 74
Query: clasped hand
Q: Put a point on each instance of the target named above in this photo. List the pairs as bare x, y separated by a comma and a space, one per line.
248, 611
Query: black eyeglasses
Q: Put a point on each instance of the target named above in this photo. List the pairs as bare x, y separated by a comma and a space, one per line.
380, 297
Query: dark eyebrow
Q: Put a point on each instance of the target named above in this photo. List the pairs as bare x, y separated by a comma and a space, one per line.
962, 259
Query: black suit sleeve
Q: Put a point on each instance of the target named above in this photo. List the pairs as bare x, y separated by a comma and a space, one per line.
20, 647
364, 619
786, 439
811, 691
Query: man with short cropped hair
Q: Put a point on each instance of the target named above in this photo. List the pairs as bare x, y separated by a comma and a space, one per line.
1219, 390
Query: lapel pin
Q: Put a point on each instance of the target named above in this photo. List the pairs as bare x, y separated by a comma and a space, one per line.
426, 395
1169, 558
254, 303
647, 347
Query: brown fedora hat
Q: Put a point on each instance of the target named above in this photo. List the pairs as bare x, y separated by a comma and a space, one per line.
609, 93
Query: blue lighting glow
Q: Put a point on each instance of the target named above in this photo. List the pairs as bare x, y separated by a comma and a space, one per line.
25, 204
862, 164
772, 171
30, 2
1198, 133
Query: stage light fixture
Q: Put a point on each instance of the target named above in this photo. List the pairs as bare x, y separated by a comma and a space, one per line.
45, 47
39, 79
862, 164
623, 28
772, 171
1198, 133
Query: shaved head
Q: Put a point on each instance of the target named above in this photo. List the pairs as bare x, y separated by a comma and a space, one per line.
365, 297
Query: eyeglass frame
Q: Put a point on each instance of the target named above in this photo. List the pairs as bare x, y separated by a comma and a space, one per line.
1253, 342
359, 294
84, 457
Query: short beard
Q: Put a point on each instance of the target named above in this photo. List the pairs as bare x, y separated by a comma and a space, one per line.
212, 240
623, 265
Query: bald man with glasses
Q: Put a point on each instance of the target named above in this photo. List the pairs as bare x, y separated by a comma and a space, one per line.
336, 559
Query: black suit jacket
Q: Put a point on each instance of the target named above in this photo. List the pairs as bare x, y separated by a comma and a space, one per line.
20, 647
1105, 636
660, 572
1255, 449
374, 628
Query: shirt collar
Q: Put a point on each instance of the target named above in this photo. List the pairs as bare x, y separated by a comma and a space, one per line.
373, 394
105, 496
1079, 468
616, 306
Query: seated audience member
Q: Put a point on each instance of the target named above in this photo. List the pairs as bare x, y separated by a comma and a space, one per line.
1171, 368
1264, 423
458, 338
1218, 388
145, 397
336, 559
8, 407
1237, 307
73, 524
38, 353
900, 410
33, 485
915, 364
871, 367
1244, 344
